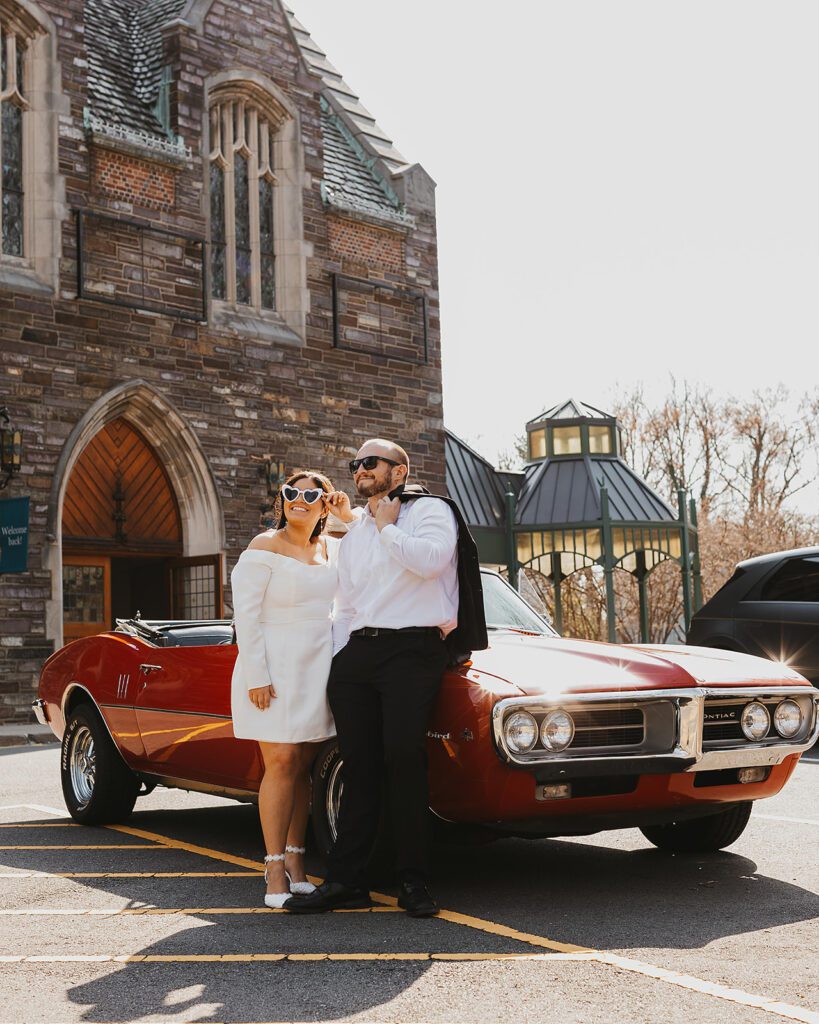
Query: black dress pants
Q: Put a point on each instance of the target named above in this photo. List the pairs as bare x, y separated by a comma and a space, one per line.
381, 690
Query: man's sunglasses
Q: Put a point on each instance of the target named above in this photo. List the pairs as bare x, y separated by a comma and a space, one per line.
369, 462
309, 495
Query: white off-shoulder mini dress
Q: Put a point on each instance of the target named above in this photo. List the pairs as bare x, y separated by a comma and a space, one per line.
282, 610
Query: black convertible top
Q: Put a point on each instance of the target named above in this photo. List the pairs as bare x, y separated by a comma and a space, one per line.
179, 632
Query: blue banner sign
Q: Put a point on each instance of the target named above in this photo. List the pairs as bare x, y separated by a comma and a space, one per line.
14, 535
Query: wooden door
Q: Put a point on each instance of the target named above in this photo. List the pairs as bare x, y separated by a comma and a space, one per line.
86, 595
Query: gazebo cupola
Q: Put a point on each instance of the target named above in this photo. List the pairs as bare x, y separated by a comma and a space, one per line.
570, 430
580, 505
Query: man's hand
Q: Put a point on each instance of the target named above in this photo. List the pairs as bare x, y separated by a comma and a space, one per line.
261, 696
387, 512
339, 503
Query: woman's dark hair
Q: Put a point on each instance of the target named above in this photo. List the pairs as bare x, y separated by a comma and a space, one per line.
320, 480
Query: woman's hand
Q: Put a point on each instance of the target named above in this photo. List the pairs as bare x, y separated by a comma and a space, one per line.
261, 696
339, 503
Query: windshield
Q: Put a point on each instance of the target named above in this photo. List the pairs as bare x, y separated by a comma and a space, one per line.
506, 609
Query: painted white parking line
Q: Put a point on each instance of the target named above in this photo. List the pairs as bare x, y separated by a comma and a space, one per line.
792, 821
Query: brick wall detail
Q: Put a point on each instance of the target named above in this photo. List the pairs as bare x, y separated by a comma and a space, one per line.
135, 181
363, 243
242, 395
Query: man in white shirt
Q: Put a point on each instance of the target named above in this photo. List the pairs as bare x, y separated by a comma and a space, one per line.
398, 598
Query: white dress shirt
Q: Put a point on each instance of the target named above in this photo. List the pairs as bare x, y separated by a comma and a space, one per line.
406, 575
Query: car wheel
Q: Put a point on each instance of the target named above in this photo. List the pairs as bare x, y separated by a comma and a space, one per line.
328, 786
703, 835
98, 786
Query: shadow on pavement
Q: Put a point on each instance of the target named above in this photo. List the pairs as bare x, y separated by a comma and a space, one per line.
572, 892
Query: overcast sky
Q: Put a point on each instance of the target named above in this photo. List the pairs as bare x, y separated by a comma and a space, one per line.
625, 189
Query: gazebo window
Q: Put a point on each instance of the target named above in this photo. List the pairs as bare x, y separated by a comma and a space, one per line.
537, 444
600, 440
242, 200
12, 108
566, 440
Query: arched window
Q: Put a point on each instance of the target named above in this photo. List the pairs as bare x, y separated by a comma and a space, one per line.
242, 203
12, 112
254, 183
32, 190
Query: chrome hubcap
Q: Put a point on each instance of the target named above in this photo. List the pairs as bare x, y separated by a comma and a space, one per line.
83, 765
335, 787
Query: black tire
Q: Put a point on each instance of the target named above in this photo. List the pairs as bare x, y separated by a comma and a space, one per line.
98, 787
702, 835
326, 797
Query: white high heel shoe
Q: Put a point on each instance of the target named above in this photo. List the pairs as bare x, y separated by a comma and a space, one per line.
274, 900
298, 888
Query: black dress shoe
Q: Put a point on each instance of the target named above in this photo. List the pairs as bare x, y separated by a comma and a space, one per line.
329, 896
416, 899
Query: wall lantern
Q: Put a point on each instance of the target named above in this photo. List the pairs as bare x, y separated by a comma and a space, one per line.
11, 448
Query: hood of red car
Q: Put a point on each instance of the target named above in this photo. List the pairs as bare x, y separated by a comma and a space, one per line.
546, 665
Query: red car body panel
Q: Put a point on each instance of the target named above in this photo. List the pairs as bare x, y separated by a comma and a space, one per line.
168, 710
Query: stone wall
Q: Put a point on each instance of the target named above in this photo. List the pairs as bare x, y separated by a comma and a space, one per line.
242, 393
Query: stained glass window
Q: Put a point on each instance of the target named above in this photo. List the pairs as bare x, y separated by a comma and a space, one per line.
242, 200
266, 244
12, 106
217, 232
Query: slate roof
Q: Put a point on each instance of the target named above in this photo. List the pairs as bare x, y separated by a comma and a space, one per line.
124, 45
474, 484
572, 410
565, 490
343, 99
555, 492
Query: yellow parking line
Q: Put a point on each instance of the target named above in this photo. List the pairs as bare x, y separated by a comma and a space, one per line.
562, 950
143, 911
195, 958
41, 824
176, 844
131, 874
85, 846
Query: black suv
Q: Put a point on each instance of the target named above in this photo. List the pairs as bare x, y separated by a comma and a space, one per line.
769, 607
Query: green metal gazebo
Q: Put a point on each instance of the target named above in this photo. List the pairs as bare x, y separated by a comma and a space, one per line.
576, 505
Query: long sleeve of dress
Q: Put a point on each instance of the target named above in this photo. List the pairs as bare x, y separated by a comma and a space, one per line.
249, 581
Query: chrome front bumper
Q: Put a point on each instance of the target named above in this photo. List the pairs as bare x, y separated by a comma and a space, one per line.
681, 752
39, 708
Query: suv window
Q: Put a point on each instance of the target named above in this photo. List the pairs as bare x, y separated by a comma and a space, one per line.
796, 580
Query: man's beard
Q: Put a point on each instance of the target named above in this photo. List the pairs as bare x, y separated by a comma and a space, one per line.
376, 485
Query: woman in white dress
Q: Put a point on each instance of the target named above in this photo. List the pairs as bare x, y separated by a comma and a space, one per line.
283, 589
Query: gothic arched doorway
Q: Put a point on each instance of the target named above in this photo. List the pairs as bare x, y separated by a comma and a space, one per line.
122, 539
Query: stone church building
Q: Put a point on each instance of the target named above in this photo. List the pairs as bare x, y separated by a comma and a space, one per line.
215, 268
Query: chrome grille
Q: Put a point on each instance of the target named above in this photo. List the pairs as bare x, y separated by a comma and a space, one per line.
607, 727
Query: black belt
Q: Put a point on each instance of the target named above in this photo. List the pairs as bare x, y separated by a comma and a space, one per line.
381, 631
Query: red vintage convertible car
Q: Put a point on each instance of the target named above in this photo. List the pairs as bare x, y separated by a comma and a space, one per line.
537, 736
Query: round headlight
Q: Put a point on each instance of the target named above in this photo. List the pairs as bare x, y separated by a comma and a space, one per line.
520, 731
557, 730
788, 719
755, 720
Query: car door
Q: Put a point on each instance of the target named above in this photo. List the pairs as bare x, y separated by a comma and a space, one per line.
780, 618
183, 713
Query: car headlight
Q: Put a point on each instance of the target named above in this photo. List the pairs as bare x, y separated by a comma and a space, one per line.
755, 720
557, 730
788, 719
520, 732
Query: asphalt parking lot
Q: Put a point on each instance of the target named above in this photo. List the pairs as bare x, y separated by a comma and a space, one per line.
160, 920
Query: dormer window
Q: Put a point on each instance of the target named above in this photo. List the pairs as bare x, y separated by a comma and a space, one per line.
12, 110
